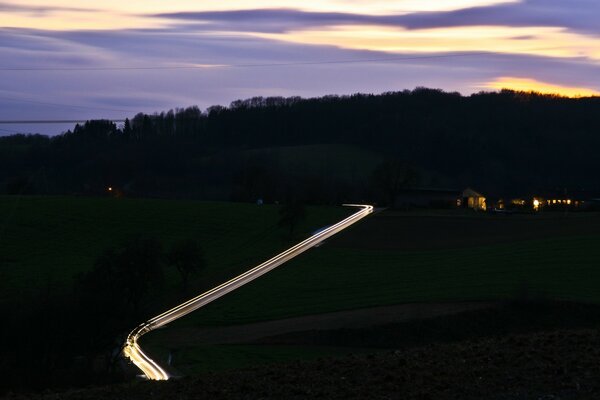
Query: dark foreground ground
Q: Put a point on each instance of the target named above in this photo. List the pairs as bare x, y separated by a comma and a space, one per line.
524, 350
551, 365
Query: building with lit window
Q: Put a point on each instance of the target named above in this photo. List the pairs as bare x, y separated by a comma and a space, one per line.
560, 200
473, 200
577, 200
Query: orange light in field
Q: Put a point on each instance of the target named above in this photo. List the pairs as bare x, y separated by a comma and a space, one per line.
110, 189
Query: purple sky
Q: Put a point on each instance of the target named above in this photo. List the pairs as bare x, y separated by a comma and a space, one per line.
531, 44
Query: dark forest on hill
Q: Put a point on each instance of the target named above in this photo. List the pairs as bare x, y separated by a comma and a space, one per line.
505, 142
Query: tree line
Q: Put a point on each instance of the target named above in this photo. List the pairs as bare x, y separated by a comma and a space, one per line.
501, 143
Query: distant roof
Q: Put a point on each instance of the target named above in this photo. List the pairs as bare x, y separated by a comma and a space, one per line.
468, 192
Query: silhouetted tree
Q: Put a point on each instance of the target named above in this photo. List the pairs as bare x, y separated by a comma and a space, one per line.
392, 176
140, 267
291, 214
19, 185
187, 258
123, 277
127, 128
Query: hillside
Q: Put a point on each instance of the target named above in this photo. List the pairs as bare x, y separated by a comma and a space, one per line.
45, 242
393, 259
416, 260
67, 305
272, 148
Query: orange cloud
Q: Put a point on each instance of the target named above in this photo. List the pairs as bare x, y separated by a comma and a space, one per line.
541, 41
532, 85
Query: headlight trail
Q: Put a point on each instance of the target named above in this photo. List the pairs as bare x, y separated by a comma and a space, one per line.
150, 368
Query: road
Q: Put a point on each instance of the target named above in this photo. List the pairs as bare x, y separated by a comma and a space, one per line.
150, 368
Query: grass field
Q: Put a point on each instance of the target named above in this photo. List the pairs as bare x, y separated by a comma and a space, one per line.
392, 259
46, 241
335, 277
387, 259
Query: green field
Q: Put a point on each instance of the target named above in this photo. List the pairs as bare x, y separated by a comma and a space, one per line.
386, 259
551, 257
46, 241
332, 278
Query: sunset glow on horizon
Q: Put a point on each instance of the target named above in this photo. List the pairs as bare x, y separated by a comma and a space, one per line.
532, 85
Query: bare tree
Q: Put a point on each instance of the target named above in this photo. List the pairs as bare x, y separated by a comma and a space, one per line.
187, 257
291, 214
392, 176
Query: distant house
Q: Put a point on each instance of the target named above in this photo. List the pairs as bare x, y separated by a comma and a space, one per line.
440, 198
474, 200
558, 200
567, 200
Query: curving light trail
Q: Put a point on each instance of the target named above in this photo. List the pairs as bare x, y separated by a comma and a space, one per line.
154, 371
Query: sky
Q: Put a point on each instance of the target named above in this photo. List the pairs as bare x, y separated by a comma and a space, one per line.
81, 59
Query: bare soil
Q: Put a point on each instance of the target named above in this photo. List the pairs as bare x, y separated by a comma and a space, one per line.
353, 319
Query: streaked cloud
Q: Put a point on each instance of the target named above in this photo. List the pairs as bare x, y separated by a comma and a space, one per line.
574, 15
577, 15
40, 10
117, 14
372, 7
543, 41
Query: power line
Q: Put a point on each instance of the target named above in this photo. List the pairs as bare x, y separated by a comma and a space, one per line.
21, 100
8, 130
261, 65
55, 121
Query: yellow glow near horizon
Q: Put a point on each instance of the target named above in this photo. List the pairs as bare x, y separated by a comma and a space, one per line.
77, 20
118, 14
542, 41
372, 7
531, 85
